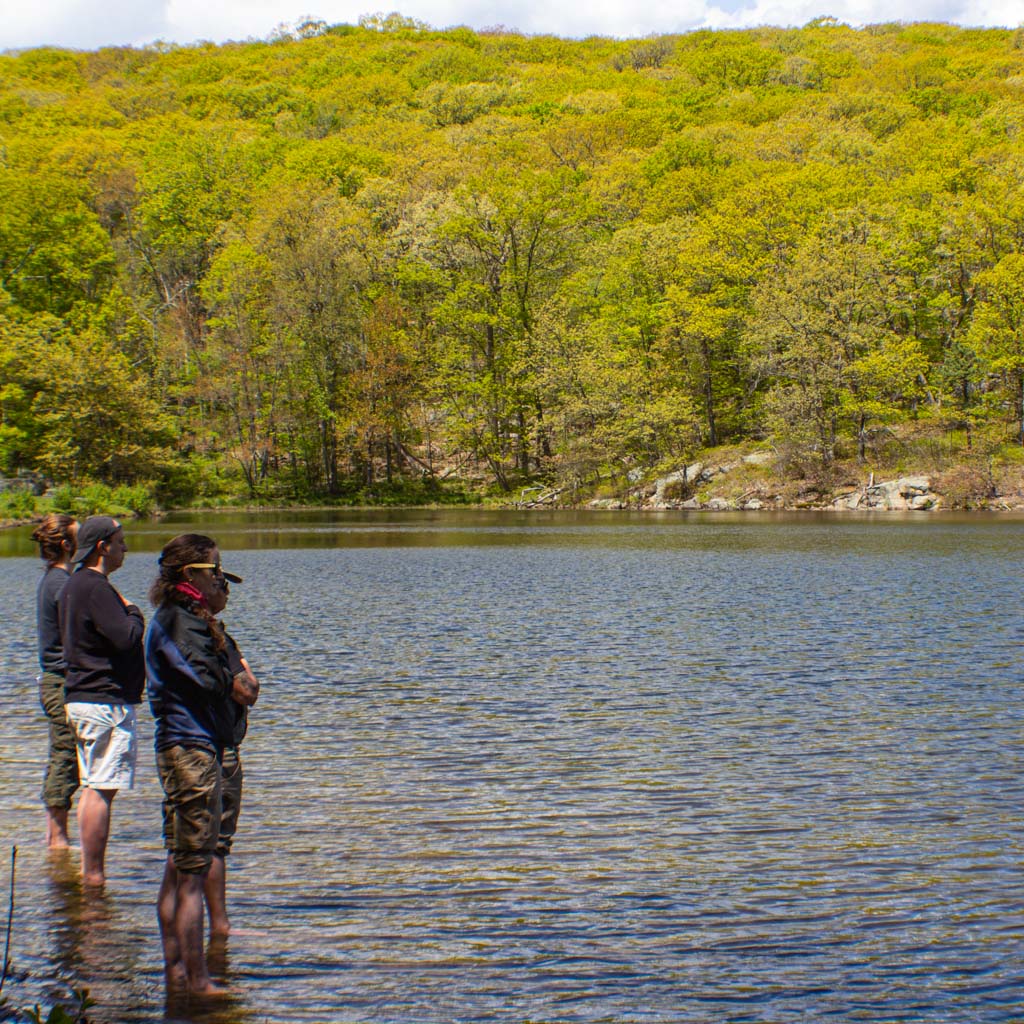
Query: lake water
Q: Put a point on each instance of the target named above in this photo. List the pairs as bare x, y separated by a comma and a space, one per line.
568, 767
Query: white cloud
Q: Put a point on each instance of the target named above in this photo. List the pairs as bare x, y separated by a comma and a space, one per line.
87, 24
82, 24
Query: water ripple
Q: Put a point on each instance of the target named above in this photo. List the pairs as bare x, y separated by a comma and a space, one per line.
538, 769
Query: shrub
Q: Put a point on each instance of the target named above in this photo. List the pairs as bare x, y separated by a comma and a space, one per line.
19, 504
965, 485
137, 499
90, 498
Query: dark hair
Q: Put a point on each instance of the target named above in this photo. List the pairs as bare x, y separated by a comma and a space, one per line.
185, 549
50, 535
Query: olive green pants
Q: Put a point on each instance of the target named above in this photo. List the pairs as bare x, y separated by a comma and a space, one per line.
61, 778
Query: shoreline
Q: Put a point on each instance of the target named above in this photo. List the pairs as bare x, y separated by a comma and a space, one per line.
609, 505
722, 481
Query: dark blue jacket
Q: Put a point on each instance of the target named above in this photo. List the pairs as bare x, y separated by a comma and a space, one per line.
189, 682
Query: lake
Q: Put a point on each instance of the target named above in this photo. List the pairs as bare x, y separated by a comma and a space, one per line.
576, 767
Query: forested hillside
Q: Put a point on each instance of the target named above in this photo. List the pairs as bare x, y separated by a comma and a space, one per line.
353, 257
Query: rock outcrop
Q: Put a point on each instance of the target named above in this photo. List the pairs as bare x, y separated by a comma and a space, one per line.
679, 489
908, 493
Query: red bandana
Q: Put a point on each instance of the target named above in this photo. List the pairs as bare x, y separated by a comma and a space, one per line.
189, 591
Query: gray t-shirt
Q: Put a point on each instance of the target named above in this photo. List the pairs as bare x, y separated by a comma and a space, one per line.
51, 651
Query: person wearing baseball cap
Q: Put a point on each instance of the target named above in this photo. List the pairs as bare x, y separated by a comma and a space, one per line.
102, 636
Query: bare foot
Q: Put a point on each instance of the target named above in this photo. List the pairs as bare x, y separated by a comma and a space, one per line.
95, 879
209, 989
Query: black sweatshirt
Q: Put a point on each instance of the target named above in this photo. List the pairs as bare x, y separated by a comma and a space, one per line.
102, 642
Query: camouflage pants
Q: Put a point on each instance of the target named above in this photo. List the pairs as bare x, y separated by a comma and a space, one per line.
230, 799
191, 780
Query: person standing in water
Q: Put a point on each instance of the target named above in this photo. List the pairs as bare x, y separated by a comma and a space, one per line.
195, 678
55, 536
102, 636
215, 888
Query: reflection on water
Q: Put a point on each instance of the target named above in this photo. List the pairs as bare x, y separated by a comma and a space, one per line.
579, 769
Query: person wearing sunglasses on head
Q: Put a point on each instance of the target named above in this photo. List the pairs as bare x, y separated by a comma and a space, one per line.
195, 677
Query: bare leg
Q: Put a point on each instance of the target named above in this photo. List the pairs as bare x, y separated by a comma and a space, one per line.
215, 891
94, 830
166, 907
57, 828
188, 926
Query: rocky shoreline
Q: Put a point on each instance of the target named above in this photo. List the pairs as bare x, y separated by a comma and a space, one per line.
748, 483
745, 483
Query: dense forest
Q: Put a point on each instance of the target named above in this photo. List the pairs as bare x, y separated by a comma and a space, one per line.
360, 261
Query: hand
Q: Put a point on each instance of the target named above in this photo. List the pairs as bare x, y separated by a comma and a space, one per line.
245, 688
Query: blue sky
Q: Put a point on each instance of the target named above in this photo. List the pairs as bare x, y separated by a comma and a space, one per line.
88, 24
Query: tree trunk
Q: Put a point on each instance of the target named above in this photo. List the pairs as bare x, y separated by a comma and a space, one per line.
709, 394
329, 456
523, 449
1020, 408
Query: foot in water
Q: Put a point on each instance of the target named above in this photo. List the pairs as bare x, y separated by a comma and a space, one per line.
210, 990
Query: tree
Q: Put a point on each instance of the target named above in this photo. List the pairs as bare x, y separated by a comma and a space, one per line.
191, 184
825, 339
997, 329
72, 405
497, 249
317, 246
246, 357
615, 403
721, 260
53, 252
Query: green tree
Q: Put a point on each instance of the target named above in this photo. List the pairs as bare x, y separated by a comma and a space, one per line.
317, 246
73, 407
497, 249
53, 252
247, 358
614, 402
824, 336
997, 329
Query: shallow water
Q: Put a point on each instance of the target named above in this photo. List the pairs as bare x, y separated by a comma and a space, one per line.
579, 768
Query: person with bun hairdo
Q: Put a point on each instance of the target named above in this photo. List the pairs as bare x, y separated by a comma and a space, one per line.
195, 679
55, 536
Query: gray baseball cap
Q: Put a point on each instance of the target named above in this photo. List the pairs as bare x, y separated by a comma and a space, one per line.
94, 530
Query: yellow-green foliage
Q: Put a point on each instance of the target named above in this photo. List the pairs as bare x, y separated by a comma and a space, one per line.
350, 252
